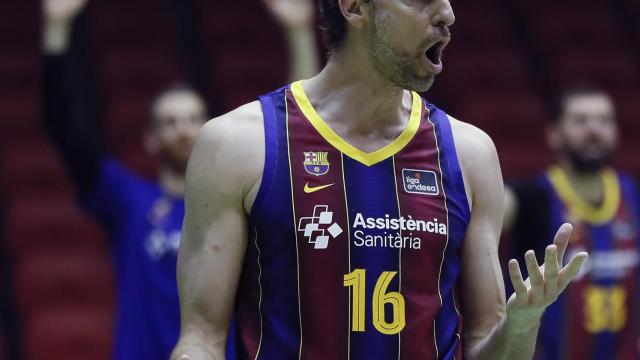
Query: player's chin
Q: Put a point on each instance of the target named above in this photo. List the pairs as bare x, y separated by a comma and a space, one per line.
180, 164
595, 153
178, 157
424, 79
592, 162
423, 83
183, 157
182, 150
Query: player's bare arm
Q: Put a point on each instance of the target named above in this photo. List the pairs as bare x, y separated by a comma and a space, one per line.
495, 329
222, 180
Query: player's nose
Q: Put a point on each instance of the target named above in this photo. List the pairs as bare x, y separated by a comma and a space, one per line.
444, 16
184, 126
598, 125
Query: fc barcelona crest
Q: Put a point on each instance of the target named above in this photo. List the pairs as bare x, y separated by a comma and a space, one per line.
316, 163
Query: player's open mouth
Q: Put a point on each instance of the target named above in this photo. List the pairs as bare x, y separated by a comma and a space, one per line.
434, 53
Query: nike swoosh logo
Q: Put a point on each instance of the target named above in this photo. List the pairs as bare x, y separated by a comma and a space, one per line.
308, 189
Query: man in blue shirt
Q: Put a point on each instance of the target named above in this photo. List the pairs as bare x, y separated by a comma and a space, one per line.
143, 217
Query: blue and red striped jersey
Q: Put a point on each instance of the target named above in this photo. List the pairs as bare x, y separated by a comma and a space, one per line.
353, 254
597, 316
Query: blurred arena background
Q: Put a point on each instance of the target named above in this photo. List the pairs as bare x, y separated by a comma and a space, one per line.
505, 63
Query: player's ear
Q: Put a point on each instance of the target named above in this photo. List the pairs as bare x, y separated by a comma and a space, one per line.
552, 135
150, 142
353, 11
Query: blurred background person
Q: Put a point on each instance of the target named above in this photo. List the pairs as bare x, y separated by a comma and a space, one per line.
143, 217
598, 317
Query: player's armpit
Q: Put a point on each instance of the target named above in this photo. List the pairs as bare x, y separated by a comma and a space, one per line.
222, 170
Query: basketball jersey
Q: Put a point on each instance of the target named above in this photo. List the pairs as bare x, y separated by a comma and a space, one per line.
353, 254
597, 316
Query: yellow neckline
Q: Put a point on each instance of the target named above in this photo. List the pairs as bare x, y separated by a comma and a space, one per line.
339, 143
578, 206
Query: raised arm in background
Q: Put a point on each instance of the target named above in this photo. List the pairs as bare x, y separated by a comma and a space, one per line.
70, 109
296, 17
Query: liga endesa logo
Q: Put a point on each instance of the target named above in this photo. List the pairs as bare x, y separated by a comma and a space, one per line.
420, 182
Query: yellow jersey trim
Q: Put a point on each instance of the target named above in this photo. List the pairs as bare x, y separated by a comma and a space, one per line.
578, 206
293, 207
346, 207
395, 183
339, 143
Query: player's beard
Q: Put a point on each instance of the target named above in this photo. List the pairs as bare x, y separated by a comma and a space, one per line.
175, 158
397, 65
589, 164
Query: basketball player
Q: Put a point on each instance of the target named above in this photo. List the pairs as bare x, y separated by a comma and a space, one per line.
597, 318
144, 217
345, 217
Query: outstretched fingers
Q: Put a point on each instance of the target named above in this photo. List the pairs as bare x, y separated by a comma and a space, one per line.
522, 293
561, 240
570, 271
535, 276
551, 268
546, 282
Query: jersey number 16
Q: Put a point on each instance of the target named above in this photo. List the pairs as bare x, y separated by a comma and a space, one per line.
357, 281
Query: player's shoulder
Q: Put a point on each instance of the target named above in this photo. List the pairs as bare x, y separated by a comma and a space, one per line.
237, 124
474, 146
628, 182
477, 156
470, 138
625, 177
236, 133
232, 143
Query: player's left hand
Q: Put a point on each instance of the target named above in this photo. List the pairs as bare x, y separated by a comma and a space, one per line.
291, 14
546, 282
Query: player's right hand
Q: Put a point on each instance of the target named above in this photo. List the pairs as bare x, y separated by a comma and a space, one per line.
545, 283
62, 11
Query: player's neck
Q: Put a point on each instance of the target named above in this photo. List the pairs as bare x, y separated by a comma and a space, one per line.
348, 84
171, 181
589, 185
